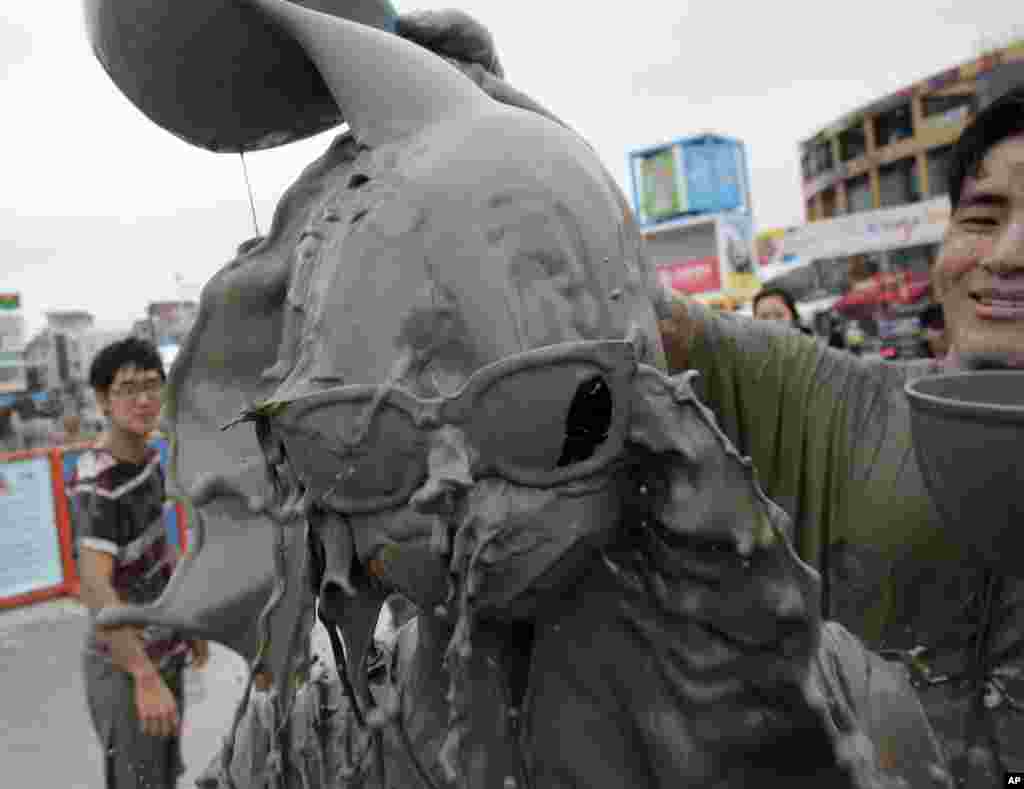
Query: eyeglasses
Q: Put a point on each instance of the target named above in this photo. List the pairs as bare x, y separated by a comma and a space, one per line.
133, 389
540, 419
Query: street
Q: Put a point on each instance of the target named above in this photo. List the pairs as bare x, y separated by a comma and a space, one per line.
46, 738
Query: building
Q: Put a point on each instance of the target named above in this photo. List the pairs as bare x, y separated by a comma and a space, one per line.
58, 357
692, 199
895, 151
875, 186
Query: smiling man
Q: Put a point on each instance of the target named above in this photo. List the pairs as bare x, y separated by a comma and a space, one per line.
830, 437
980, 274
133, 676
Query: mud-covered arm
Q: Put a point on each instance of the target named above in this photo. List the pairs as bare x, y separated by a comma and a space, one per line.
803, 412
875, 695
698, 642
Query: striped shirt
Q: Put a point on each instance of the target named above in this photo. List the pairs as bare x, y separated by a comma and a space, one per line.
117, 508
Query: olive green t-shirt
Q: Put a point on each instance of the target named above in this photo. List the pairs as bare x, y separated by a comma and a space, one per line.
830, 436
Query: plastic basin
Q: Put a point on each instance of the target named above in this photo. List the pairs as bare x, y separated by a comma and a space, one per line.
968, 432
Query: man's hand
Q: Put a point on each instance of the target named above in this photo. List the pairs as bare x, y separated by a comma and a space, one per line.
200, 649
155, 705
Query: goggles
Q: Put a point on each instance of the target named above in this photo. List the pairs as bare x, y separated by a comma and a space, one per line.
540, 418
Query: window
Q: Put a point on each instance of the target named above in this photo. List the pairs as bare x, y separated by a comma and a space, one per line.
895, 125
938, 171
817, 159
11, 374
852, 143
832, 276
951, 109
828, 203
916, 260
858, 194
898, 183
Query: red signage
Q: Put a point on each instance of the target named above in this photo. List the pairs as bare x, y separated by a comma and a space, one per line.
698, 275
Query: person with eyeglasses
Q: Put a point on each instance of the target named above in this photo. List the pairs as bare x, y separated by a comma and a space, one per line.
133, 676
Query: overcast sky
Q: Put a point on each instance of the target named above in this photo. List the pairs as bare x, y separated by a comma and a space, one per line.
100, 207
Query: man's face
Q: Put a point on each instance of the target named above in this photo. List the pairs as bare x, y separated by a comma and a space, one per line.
133, 401
980, 273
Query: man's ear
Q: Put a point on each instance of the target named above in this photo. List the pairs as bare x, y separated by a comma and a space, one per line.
103, 401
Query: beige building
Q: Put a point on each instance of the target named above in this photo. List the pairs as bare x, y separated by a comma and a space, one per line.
895, 150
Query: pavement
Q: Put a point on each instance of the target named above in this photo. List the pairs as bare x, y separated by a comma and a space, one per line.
46, 737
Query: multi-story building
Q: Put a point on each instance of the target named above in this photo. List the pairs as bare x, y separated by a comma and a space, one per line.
875, 186
895, 151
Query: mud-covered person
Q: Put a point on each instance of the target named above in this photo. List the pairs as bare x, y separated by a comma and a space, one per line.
829, 434
133, 677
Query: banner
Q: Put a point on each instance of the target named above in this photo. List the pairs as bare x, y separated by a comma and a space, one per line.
661, 185
903, 226
698, 275
714, 176
30, 550
735, 241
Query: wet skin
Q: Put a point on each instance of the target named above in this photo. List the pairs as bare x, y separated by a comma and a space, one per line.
979, 277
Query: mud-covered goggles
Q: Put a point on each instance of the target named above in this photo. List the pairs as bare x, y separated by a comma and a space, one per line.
540, 418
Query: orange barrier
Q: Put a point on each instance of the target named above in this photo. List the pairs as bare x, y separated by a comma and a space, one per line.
69, 585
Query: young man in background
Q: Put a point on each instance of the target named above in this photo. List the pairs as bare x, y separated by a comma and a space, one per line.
133, 677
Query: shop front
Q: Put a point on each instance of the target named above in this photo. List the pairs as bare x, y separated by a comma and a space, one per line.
867, 274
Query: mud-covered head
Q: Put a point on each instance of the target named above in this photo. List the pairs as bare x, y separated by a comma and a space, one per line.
462, 390
459, 397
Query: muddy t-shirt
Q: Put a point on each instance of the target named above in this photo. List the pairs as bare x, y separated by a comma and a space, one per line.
117, 508
829, 434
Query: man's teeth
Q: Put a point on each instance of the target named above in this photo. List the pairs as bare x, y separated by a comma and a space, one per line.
1005, 297
1010, 303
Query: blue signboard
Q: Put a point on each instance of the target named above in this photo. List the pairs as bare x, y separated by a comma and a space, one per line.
713, 177
30, 557
706, 174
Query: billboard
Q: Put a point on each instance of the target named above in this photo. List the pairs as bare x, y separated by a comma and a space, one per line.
29, 542
706, 174
900, 227
714, 175
663, 188
696, 275
736, 242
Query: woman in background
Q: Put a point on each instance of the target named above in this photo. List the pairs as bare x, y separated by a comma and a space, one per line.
776, 304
